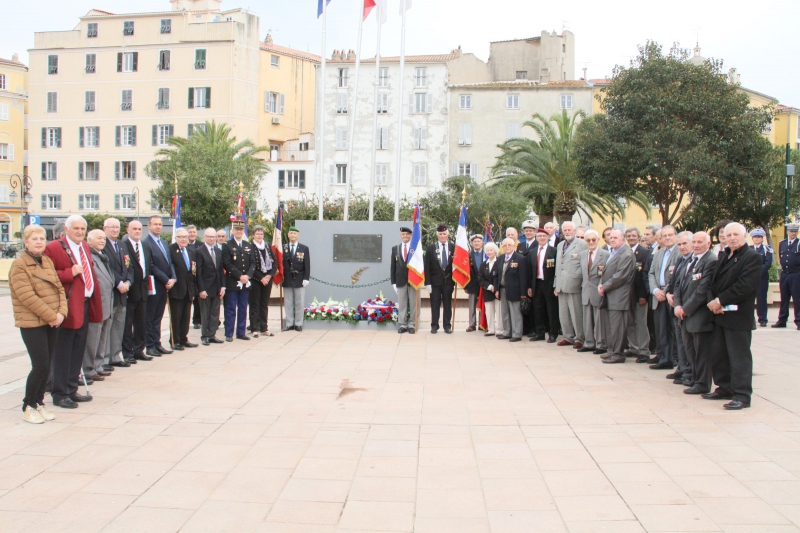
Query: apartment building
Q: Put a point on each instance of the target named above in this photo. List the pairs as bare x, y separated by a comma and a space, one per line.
15, 188
106, 95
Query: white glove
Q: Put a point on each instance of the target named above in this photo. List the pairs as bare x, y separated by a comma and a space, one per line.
429, 287
305, 282
395, 288
491, 288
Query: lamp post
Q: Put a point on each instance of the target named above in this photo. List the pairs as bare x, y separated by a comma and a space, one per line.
135, 194
25, 183
788, 187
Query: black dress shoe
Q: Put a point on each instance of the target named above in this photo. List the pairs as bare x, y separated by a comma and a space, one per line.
178, 348
537, 338
411, 331
79, 398
678, 381
552, 338
228, 339
298, 328
762, 324
131, 361
585, 349
402, 329
152, 352
662, 366
694, 389
674, 375
688, 383
735, 405
599, 351
243, 337
189, 345
142, 357
214, 340
121, 364
515, 339
778, 325
65, 403
448, 330
89, 380
643, 359
716, 395
108, 368
503, 337
434, 330
653, 360
197, 326
288, 328
163, 350
614, 359
205, 342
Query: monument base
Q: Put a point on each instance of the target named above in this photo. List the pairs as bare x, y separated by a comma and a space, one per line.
348, 326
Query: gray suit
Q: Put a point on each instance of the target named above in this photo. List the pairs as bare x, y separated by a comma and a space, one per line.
662, 311
568, 284
590, 298
97, 336
616, 279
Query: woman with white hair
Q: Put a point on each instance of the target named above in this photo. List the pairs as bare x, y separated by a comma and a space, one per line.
489, 279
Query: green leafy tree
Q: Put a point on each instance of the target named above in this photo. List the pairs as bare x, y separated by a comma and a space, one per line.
544, 170
208, 167
676, 132
96, 220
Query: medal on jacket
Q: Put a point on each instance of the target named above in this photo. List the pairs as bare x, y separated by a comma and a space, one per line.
600, 268
194, 268
127, 260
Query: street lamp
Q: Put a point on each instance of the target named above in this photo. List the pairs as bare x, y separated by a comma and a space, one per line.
135, 194
25, 183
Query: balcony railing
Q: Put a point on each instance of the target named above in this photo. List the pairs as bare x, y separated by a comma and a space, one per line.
163, 105
90, 69
200, 64
126, 106
89, 107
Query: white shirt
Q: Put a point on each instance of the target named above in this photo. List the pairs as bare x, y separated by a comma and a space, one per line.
141, 255
540, 257
76, 255
552, 240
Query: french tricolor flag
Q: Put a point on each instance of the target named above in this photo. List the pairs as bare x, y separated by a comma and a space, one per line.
415, 262
461, 274
369, 5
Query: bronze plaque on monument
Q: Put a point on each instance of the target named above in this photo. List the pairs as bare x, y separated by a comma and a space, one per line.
357, 248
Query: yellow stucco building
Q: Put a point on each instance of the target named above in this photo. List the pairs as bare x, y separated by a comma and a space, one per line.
13, 146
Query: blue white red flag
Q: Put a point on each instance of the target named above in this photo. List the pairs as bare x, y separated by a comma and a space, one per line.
319, 7
176, 214
461, 272
488, 234
415, 262
277, 245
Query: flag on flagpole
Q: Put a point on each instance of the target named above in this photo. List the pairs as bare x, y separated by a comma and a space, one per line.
370, 4
405, 5
488, 234
461, 274
244, 218
416, 265
319, 7
277, 245
483, 324
176, 214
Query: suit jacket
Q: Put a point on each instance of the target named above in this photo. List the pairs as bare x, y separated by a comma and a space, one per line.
258, 274
736, 283
74, 287
208, 278
398, 269
789, 257
548, 267
524, 249
163, 270
648, 264
516, 276
105, 284
185, 283
568, 266
300, 264
238, 261
590, 279
691, 293
617, 279
138, 291
680, 270
118, 268
473, 287
490, 276
640, 258
655, 270
434, 274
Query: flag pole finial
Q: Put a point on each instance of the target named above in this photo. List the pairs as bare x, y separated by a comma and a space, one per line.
464, 194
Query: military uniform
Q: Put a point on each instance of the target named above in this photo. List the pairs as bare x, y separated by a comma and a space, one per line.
238, 260
789, 251
766, 253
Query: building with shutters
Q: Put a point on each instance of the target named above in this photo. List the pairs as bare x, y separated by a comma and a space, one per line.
13, 147
106, 95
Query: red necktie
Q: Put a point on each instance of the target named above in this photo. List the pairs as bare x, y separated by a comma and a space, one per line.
87, 273
405, 252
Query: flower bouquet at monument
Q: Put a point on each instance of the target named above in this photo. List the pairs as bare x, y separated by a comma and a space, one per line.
330, 310
379, 310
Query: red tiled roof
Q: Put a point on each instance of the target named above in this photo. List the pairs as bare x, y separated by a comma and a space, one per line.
440, 58
785, 108
291, 52
525, 83
13, 63
600, 81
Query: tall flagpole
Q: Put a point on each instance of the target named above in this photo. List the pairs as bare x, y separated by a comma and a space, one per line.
350, 179
322, 110
375, 118
400, 101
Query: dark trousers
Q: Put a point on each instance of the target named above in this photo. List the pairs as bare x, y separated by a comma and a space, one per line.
667, 352
179, 311
761, 299
197, 313
731, 361
697, 347
209, 307
68, 358
528, 323
259, 306
41, 345
155, 313
651, 327
790, 290
545, 310
236, 312
441, 295
684, 366
133, 339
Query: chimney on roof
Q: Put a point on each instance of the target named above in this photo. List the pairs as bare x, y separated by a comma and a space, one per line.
15, 57
268, 40
351, 55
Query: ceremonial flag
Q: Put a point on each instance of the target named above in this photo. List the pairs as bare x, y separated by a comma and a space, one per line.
482, 323
244, 218
488, 234
277, 245
176, 214
461, 273
319, 8
405, 5
416, 265
370, 4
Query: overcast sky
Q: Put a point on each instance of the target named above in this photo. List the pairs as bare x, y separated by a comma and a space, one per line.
758, 39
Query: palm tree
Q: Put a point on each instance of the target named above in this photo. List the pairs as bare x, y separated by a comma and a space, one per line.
545, 170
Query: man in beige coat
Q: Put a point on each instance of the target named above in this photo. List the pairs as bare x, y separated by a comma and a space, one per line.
568, 286
593, 261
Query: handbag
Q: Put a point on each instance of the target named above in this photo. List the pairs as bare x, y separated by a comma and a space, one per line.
525, 306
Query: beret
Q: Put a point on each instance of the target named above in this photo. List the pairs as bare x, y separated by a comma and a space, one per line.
441, 227
405, 230
542, 231
294, 228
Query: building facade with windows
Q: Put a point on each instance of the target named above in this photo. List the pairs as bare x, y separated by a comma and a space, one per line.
13, 147
105, 96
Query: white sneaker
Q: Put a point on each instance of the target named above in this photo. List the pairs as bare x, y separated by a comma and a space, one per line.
32, 415
47, 415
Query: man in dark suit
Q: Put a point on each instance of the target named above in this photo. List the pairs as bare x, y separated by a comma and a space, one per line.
683, 371
184, 291
542, 273
164, 274
659, 276
473, 287
141, 260
239, 263
691, 288
210, 286
638, 336
119, 263
766, 254
616, 285
513, 289
194, 244
439, 278
650, 238
398, 275
529, 242
732, 298
296, 277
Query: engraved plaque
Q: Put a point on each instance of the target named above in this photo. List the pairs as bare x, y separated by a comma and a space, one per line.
357, 248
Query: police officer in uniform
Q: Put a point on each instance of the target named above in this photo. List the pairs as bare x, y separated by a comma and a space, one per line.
789, 250
239, 263
296, 274
766, 257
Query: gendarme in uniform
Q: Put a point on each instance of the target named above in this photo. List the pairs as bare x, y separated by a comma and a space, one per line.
789, 250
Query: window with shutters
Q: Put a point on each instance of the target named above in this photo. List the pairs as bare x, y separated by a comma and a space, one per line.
91, 136
420, 176
163, 133
522, 74
275, 61
127, 135
292, 179
166, 26
341, 103
49, 171
89, 202
125, 170
341, 138
196, 128
51, 202
163, 98
3, 83
344, 75
465, 169
164, 59
91, 63
382, 138
465, 134
4, 114
512, 101
129, 61
566, 101
341, 175
91, 30
88, 171
4, 199
200, 97
200, 59
51, 137
383, 77
420, 138
465, 101
127, 100
89, 101
52, 102
125, 202
381, 174
421, 77
271, 102
6, 152
512, 130
127, 27
383, 102
421, 103
52, 65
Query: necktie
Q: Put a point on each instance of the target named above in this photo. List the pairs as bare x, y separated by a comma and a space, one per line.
87, 274
591, 254
405, 252
136, 251
664, 262
214, 255
294, 248
161, 246
185, 258
540, 261
444, 257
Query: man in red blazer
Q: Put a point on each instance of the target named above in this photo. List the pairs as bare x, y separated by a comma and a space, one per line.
72, 259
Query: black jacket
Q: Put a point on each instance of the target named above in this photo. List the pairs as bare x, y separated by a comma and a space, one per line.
473, 287
238, 261
258, 275
736, 283
487, 276
548, 267
523, 248
185, 283
516, 278
297, 268
398, 269
208, 278
640, 258
121, 273
646, 268
138, 292
434, 275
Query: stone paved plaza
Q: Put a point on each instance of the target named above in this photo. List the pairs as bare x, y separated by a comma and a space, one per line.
372, 431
